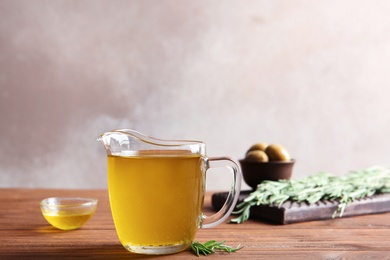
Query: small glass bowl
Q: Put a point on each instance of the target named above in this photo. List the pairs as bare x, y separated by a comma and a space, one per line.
68, 213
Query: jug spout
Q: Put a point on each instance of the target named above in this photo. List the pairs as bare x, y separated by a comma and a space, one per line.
127, 142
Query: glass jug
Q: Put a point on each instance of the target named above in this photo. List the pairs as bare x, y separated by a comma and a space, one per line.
156, 190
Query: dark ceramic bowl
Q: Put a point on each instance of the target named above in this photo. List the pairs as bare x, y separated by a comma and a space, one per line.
256, 172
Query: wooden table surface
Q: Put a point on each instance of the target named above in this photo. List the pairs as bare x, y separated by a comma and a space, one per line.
25, 234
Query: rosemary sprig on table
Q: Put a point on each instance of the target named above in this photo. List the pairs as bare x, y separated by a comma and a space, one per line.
321, 186
210, 247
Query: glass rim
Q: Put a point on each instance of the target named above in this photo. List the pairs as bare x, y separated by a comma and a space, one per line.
76, 202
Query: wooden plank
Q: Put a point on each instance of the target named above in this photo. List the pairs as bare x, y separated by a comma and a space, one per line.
24, 234
293, 212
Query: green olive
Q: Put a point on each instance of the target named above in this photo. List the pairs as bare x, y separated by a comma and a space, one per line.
256, 156
276, 152
258, 146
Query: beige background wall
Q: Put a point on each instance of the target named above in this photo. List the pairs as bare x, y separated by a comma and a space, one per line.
311, 75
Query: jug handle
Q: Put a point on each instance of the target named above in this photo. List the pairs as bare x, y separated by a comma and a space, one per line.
234, 192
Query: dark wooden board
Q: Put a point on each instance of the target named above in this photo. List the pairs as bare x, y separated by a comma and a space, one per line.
293, 212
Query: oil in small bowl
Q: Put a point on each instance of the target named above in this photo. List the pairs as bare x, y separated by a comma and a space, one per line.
68, 213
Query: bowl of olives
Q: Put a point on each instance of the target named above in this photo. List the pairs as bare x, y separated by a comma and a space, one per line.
266, 162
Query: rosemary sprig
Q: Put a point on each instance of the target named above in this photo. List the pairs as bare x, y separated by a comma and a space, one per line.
210, 247
317, 187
